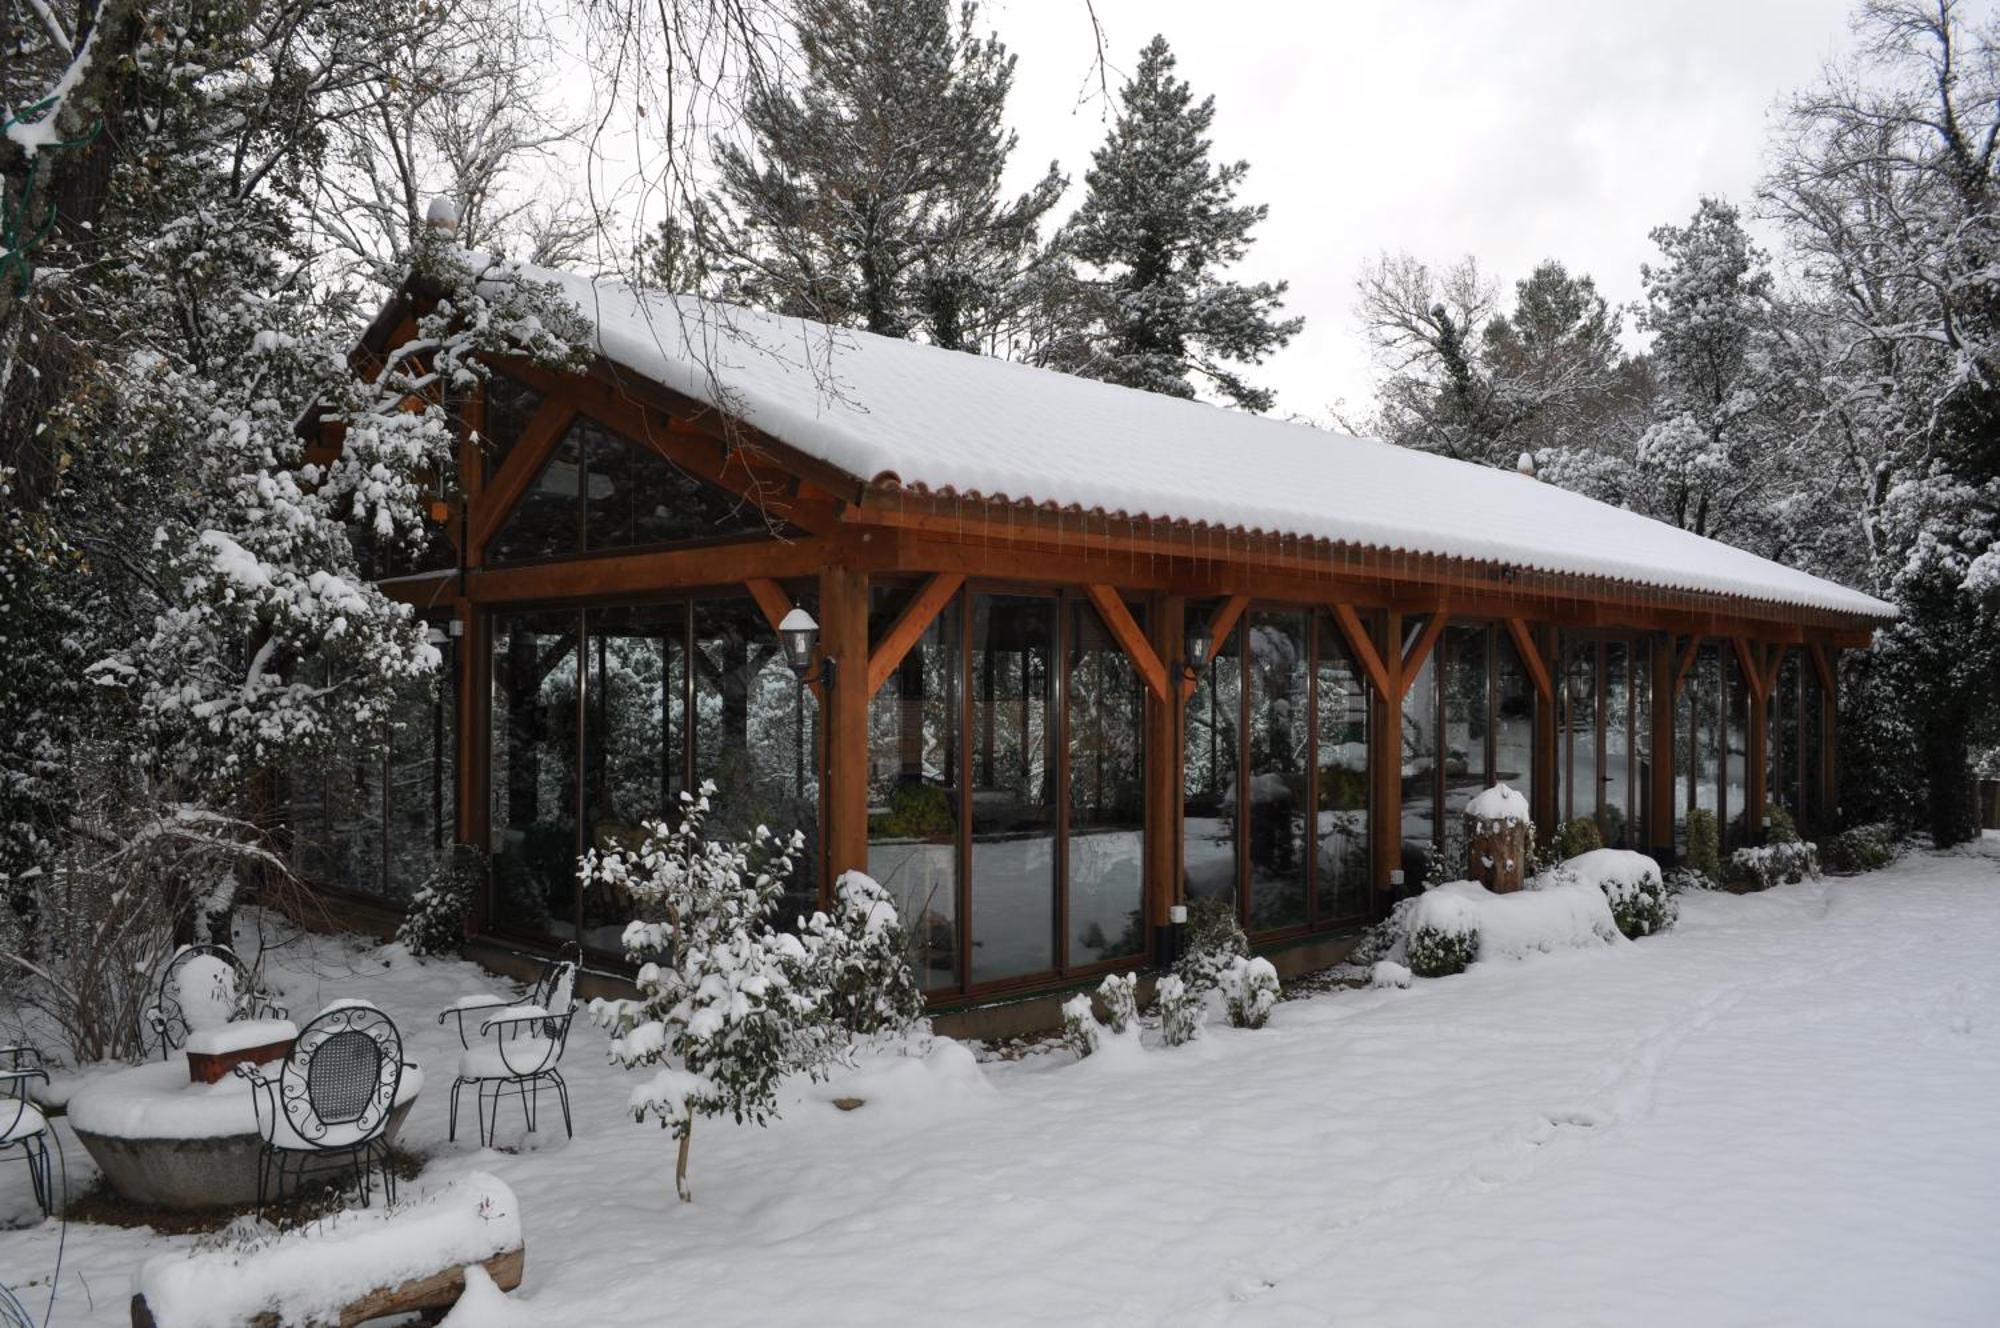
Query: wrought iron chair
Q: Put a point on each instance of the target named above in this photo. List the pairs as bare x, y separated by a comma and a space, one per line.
199, 982
22, 1124
329, 1105
517, 1048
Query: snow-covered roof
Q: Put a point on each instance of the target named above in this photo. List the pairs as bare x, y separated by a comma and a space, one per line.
949, 423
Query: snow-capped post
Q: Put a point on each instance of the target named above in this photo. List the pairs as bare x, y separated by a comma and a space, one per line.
442, 217
1498, 830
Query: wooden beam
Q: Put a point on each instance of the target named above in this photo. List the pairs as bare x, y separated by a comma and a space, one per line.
1125, 630
843, 611
1686, 663
1218, 629
1363, 647
663, 569
1823, 665
1531, 658
1746, 659
1414, 660
516, 473
885, 655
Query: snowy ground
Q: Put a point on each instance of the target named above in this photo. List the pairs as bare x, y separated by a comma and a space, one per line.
1783, 1112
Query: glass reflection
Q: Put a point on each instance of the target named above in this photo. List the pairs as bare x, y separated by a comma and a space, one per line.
1341, 698
1209, 803
1012, 648
534, 773
1278, 759
1107, 795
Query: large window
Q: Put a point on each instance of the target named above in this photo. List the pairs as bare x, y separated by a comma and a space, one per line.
1276, 776
601, 717
1006, 789
1468, 723
1603, 758
1710, 722
1797, 742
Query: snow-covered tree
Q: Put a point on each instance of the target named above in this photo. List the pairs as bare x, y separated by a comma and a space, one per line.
1148, 304
869, 195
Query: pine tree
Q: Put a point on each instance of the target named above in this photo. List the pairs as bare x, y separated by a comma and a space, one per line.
870, 197
1157, 228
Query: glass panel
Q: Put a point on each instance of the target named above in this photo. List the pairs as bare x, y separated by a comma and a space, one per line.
1013, 786
1466, 718
638, 497
1580, 730
510, 404
420, 812
913, 785
1705, 692
1640, 813
534, 775
1514, 736
755, 735
1420, 765
635, 719
1341, 696
1812, 750
1214, 723
1107, 795
1617, 777
1279, 668
547, 520
1784, 739
1741, 818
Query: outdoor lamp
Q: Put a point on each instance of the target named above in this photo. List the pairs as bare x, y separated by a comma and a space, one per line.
799, 634
1194, 650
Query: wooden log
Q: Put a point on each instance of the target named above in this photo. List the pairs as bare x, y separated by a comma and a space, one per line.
436, 1291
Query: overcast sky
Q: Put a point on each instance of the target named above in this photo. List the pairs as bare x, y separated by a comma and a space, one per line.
1513, 130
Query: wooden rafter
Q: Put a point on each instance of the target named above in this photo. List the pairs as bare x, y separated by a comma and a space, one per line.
885, 655
1774, 663
1125, 630
1362, 646
1748, 655
1418, 652
1219, 628
1823, 665
531, 452
1531, 658
1686, 663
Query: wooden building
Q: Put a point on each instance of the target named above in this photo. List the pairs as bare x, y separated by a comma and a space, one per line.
1083, 653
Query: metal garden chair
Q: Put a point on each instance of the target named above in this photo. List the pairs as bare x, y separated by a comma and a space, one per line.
328, 1108
22, 1124
201, 985
517, 1048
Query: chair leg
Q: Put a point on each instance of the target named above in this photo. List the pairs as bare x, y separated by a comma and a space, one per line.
562, 1096
489, 1112
37, 1153
530, 1099
451, 1133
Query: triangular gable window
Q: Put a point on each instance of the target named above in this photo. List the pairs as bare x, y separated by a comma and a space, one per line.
600, 490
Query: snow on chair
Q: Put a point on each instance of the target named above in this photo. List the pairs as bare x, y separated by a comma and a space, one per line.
205, 986
22, 1124
329, 1106
517, 1048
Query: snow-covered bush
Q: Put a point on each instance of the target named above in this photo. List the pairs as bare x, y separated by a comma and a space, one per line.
1779, 827
1632, 884
435, 923
1462, 921
1180, 1008
1250, 991
862, 955
1704, 844
1761, 866
1079, 1025
728, 1006
1859, 848
1389, 973
1577, 838
1214, 939
1388, 938
1436, 953
1121, 1000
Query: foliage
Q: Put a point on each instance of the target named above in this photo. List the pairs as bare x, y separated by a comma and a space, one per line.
916, 811
1779, 827
1641, 905
1250, 991
1859, 848
435, 922
1435, 953
1180, 1008
1448, 855
862, 958
1762, 866
1121, 1001
1704, 844
1079, 1023
1214, 940
728, 1005
1577, 837
1146, 306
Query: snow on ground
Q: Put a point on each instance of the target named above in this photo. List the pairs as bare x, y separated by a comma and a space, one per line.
1782, 1112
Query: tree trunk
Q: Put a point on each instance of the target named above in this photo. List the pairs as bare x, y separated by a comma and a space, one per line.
681, 1163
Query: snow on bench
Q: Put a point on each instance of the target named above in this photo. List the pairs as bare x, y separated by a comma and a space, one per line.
358, 1265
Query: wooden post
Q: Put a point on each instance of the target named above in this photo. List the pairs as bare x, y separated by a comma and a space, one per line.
1166, 750
1385, 766
1660, 817
843, 638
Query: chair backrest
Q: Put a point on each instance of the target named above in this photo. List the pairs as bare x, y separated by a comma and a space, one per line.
340, 1080
558, 978
203, 986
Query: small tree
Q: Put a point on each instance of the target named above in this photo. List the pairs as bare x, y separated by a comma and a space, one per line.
435, 923
862, 955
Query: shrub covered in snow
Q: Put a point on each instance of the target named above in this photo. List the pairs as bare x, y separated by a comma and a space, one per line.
1761, 866
1462, 921
1180, 1008
1577, 838
1214, 940
1859, 848
1389, 973
861, 954
1632, 885
1121, 1001
1704, 844
1436, 953
1780, 828
435, 924
1079, 1025
1250, 991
